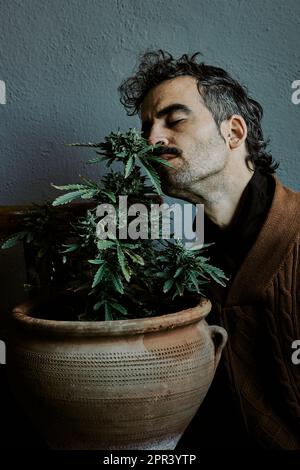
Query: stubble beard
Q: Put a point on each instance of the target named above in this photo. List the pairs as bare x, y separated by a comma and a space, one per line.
201, 163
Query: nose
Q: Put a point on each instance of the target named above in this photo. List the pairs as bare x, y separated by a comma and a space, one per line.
157, 137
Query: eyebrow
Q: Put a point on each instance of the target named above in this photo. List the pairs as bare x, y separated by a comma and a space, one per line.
167, 110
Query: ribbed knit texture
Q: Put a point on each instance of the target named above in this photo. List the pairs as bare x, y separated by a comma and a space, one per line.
261, 316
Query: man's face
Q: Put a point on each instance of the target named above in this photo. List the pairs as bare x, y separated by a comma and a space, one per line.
174, 113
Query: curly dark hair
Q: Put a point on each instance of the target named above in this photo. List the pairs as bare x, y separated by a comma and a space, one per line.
222, 95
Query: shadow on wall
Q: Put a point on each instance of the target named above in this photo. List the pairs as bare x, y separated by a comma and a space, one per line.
27, 179
41, 157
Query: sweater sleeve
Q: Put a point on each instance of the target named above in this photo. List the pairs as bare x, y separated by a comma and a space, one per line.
282, 316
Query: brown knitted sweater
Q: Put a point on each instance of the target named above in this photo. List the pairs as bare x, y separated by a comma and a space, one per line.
261, 316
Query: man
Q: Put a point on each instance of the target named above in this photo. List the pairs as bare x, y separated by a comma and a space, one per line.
210, 131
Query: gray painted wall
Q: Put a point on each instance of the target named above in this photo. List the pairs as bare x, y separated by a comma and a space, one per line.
62, 61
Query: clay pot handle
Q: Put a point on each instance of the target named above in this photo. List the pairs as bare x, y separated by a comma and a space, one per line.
219, 337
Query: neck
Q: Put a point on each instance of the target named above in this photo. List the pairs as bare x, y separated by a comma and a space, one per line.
220, 193
221, 203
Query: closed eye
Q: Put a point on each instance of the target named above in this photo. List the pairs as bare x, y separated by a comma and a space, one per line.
173, 123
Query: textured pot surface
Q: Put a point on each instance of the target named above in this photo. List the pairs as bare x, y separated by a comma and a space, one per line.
130, 384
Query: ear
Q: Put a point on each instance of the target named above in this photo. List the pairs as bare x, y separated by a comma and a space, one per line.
234, 131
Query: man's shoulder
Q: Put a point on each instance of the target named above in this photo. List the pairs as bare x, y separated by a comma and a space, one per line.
284, 220
286, 202
289, 192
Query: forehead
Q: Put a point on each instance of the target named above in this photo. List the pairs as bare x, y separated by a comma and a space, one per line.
176, 90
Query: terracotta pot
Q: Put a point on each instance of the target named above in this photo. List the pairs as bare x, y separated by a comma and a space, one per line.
130, 384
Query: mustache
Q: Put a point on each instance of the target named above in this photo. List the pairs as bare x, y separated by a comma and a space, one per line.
169, 150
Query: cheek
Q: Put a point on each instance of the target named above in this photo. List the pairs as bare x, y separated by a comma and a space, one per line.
207, 131
195, 134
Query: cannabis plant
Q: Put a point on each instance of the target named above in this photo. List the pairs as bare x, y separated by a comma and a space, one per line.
88, 255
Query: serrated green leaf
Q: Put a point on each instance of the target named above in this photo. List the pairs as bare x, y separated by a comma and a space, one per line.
167, 285
69, 248
119, 307
136, 258
178, 271
194, 281
99, 275
152, 175
11, 241
110, 195
68, 197
160, 160
69, 187
123, 264
104, 244
161, 275
179, 288
129, 165
218, 278
117, 283
96, 261
89, 195
148, 149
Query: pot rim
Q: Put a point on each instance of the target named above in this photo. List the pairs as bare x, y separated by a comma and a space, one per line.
21, 315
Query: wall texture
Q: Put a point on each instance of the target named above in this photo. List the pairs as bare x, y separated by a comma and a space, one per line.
62, 61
